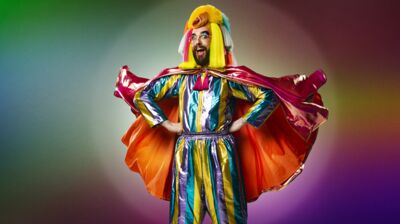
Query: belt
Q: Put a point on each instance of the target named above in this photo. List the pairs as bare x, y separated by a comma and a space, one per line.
205, 134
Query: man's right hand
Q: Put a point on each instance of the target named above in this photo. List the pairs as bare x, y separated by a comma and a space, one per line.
172, 127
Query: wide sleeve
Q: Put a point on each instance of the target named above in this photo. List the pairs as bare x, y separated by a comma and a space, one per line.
264, 102
145, 99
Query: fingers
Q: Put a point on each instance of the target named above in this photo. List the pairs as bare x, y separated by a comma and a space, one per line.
237, 125
179, 129
233, 128
173, 127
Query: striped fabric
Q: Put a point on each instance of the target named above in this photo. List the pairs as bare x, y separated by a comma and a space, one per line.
206, 177
206, 174
208, 110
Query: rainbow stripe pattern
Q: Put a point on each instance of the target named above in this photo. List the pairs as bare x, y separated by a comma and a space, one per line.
205, 172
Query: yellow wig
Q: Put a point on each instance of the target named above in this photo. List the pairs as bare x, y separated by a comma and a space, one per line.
205, 15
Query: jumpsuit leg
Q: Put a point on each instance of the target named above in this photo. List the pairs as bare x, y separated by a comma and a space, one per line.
187, 193
206, 176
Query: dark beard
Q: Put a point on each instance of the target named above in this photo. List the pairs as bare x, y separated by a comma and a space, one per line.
205, 60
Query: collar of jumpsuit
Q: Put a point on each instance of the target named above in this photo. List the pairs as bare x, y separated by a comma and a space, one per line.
201, 83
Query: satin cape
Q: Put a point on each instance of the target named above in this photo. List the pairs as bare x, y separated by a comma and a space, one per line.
271, 156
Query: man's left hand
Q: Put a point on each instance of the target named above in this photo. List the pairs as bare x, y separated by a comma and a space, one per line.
237, 125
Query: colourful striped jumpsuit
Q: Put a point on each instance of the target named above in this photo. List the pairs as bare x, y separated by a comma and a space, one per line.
206, 172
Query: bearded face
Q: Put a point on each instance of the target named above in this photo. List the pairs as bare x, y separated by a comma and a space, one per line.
201, 45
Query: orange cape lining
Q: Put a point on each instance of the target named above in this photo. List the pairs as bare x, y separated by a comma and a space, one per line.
270, 156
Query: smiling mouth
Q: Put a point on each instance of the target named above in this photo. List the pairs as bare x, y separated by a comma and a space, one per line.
200, 52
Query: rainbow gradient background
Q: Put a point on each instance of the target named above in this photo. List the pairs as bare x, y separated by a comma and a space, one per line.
61, 159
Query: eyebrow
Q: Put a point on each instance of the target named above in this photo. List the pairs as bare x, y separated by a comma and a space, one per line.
204, 32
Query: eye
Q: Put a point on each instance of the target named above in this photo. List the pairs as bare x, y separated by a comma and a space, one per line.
204, 35
193, 37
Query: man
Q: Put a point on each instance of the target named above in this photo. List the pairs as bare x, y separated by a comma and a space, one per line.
205, 101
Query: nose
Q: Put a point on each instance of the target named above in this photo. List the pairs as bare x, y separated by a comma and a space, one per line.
195, 41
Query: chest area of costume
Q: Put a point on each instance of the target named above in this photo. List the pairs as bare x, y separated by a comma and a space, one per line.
208, 109
214, 96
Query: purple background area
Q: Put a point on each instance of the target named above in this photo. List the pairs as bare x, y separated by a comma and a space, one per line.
49, 170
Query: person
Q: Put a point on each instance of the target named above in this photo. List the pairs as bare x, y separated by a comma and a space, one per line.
228, 133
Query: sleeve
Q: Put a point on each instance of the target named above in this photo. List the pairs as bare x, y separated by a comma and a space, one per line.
264, 102
145, 99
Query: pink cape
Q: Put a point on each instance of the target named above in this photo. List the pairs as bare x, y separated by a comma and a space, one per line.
270, 156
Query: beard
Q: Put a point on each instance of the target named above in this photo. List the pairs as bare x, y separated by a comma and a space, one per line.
201, 55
